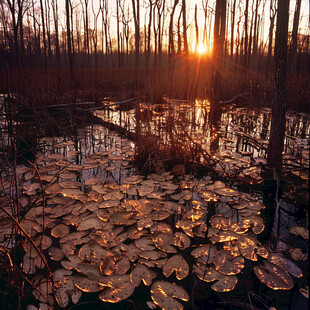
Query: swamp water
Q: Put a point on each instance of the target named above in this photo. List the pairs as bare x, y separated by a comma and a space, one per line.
115, 239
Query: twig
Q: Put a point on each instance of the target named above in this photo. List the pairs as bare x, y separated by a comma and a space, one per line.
276, 217
29, 238
43, 197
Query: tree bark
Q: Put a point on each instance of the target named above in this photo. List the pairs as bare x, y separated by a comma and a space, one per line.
69, 41
278, 121
233, 10
293, 49
184, 27
219, 38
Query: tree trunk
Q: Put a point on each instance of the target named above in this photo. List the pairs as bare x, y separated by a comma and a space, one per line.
233, 10
69, 41
55, 17
219, 38
196, 30
184, 27
246, 14
278, 121
136, 14
293, 49
171, 39
273, 13
44, 37
149, 39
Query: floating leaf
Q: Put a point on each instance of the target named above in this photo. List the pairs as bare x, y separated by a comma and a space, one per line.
300, 231
145, 244
205, 253
256, 222
133, 252
72, 262
60, 231
207, 274
159, 215
285, 263
70, 184
225, 284
114, 295
178, 264
247, 246
89, 270
44, 241
144, 223
181, 240
87, 285
161, 227
122, 218
298, 254
164, 242
215, 185
226, 264
304, 291
153, 255
61, 274
225, 191
76, 296
164, 293
56, 254
220, 222
62, 298
141, 272
274, 277
93, 252
133, 179
209, 196
187, 226
223, 236
92, 181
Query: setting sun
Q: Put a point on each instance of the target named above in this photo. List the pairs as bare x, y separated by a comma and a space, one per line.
202, 48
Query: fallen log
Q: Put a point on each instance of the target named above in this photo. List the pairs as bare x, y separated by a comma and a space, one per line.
241, 95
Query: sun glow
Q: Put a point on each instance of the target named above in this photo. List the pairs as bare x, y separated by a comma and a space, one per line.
202, 48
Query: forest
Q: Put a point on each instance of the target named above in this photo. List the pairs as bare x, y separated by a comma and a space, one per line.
154, 154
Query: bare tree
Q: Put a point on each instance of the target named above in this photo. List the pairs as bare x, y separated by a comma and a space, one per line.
69, 40
55, 17
184, 27
219, 38
246, 37
171, 36
273, 13
232, 31
278, 121
136, 15
293, 49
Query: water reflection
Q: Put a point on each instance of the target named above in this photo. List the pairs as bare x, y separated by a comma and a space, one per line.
239, 130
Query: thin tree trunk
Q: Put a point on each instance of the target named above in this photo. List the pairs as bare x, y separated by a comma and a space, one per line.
184, 27
293, 49
232, 31
196, 30
69, 41
55, 17
278, 121
273, 13
246, 14
219, 39
136, 13
44, 37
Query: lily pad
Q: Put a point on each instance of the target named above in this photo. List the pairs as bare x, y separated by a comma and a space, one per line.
164, 293
178, 264
226, 264
141, 272
274, 277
